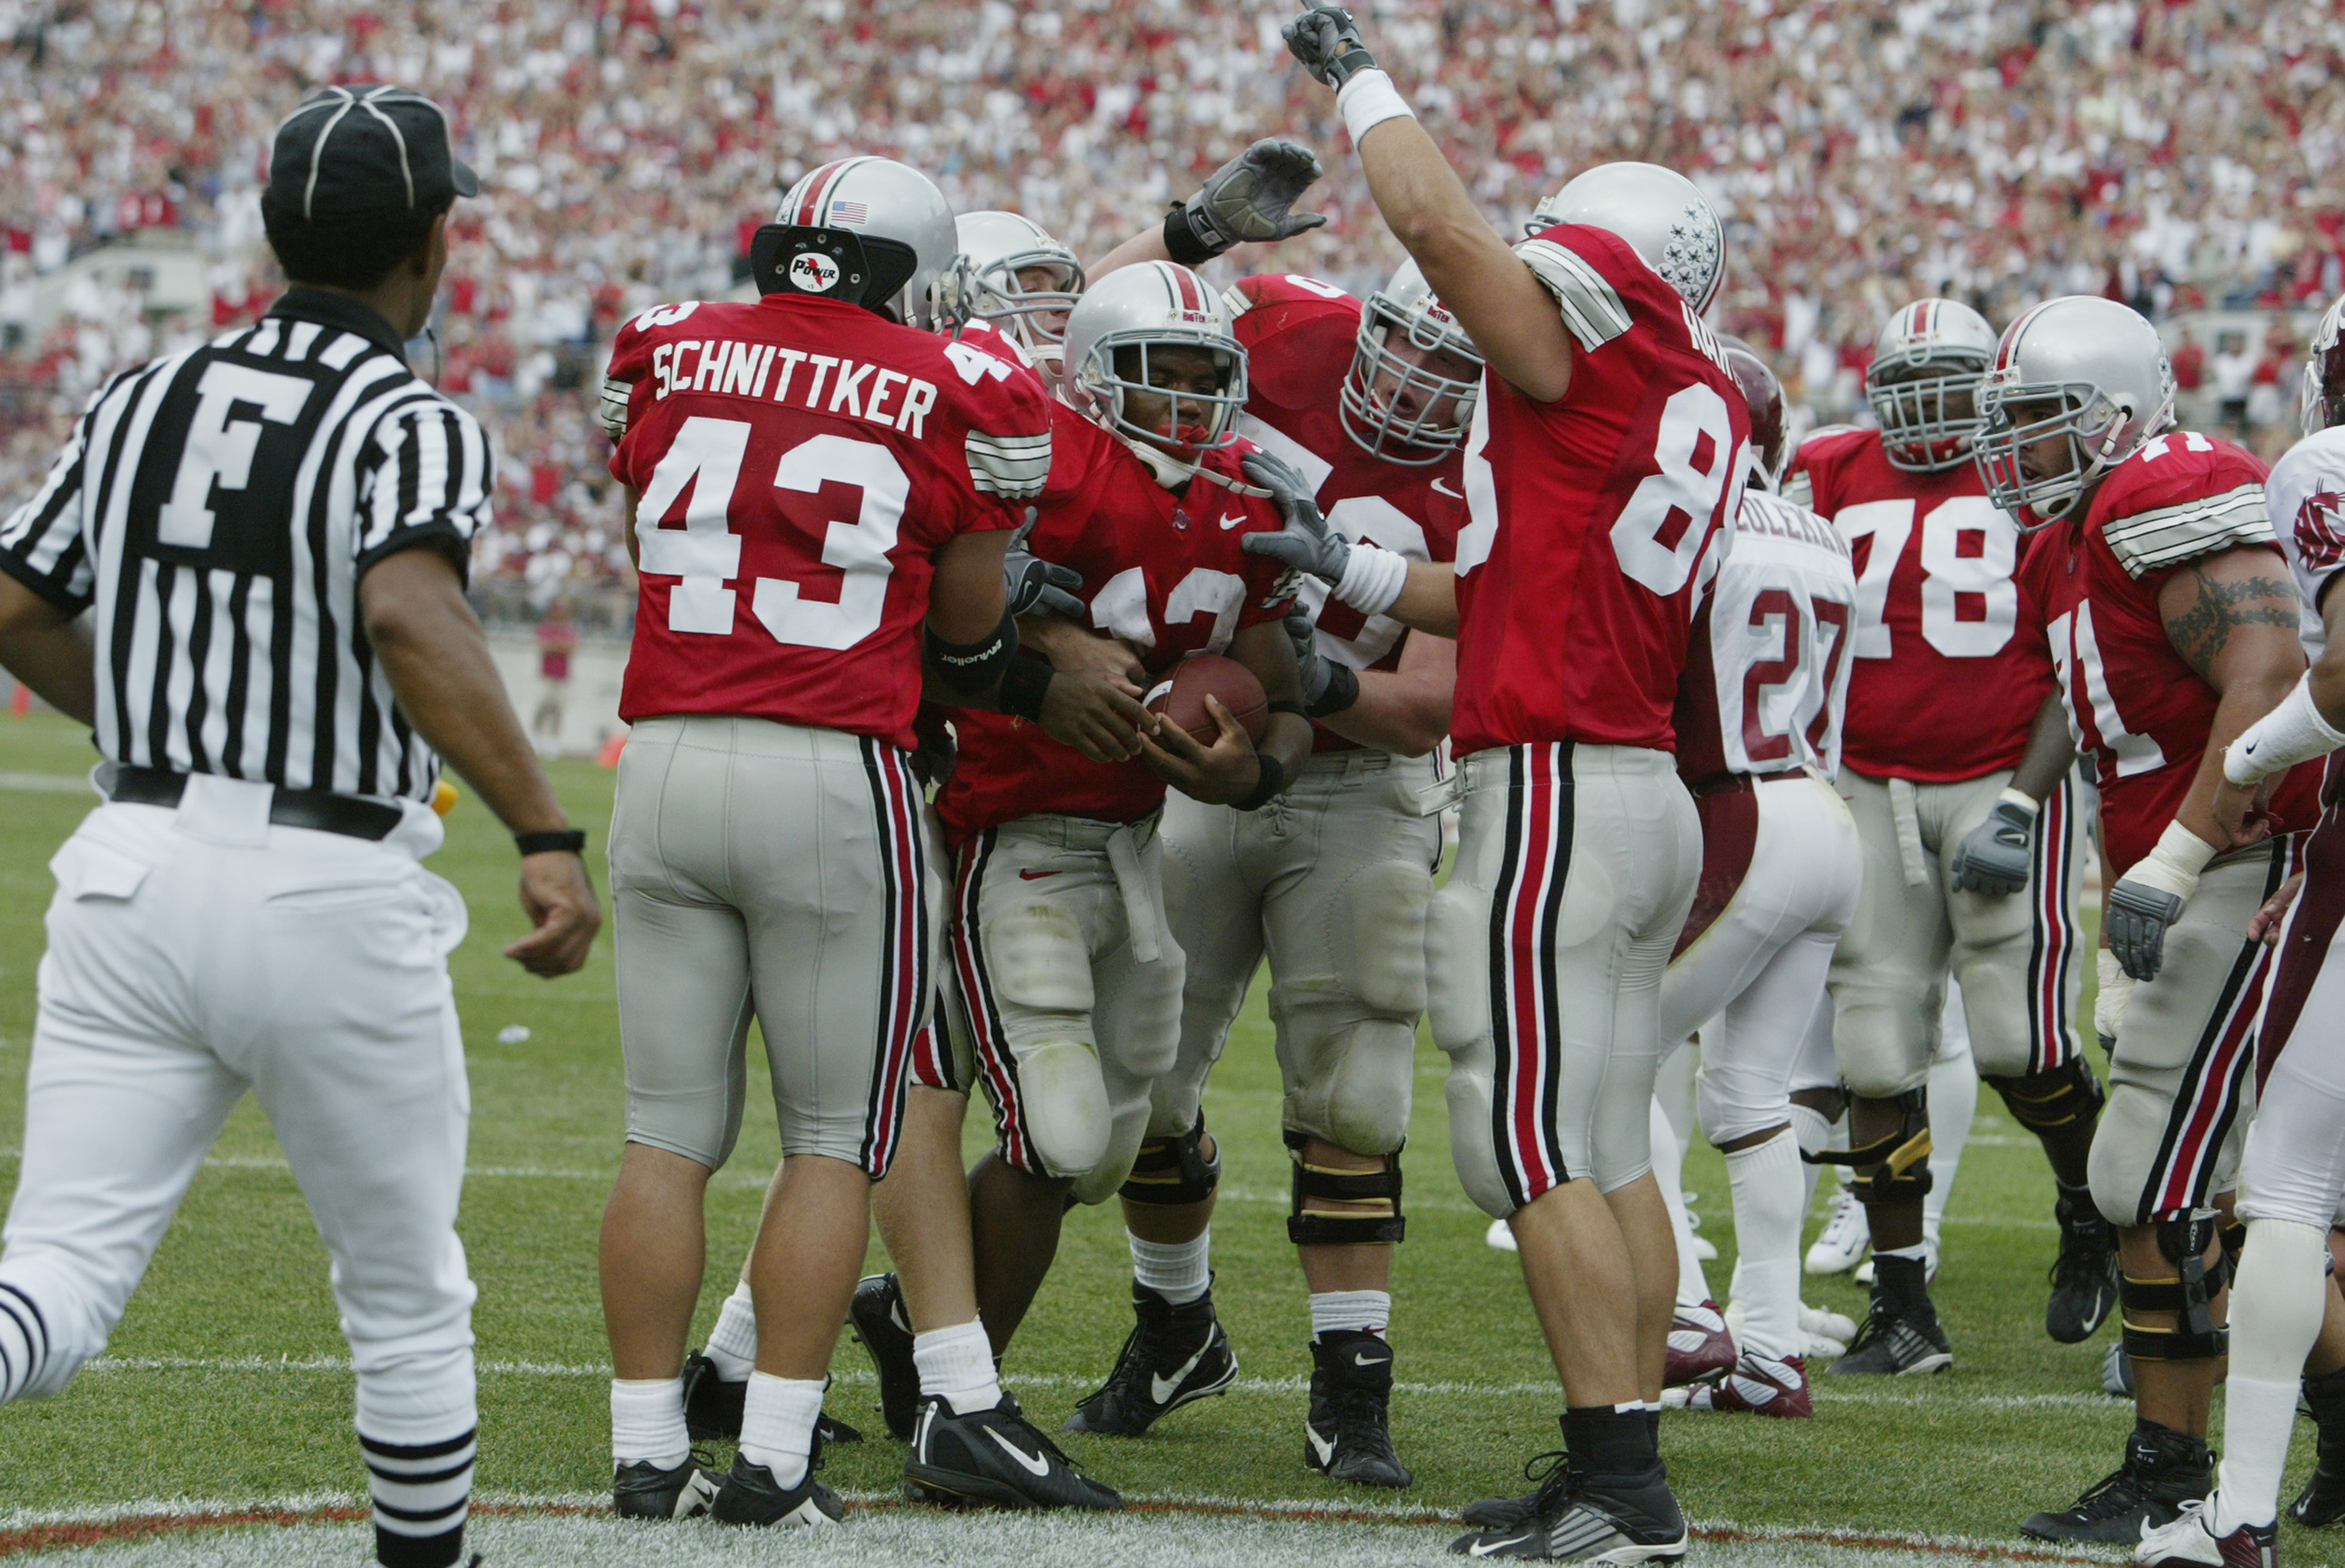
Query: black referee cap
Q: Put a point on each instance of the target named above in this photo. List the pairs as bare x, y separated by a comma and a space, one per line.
365, 148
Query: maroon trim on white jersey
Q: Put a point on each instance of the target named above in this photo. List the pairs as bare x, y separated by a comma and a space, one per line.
904, 979
2212, 1093
995, 1063
1526, 1011
2051, 1032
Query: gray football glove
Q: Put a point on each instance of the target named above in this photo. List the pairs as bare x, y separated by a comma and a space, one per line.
1036, 587
2139, 916
1249, 200
1307, 542
1993, 857
1328, 686
1327, 41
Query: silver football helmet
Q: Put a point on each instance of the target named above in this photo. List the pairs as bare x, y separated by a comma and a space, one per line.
1660, 212
889, 200
2081, 369
1929, 351
995, 249
1394, 403
2324, 373
1152, 306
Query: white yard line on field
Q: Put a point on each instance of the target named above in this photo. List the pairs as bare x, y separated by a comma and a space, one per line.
49, 784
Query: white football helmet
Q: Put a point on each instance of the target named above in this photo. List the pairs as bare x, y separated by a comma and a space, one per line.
1383, 383
995, 247
2324, 373
1154, 305
2083, 369
886, 200
1660, 212
1927, 351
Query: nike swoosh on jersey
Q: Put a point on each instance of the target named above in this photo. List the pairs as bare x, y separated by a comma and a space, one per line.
1033, 1464
1319, 1445
1161, 1390
1232, 521
1028, 876
1444, 490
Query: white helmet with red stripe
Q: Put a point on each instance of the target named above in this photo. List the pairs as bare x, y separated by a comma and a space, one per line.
999, 251
1112, 333
1663, 215
2082, 370
1396, 403
886, 200
1929, 353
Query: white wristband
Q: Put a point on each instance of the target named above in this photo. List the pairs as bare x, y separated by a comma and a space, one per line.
1373, 579
2292, 733
2021, 799
1369, 99
2174, 865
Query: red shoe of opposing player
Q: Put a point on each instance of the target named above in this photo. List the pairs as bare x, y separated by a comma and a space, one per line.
1701, 1350
1760, 1386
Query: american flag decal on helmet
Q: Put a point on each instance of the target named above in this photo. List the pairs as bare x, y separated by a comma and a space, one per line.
850, 212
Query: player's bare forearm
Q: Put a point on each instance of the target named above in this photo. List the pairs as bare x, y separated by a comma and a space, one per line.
1428, 599
1148, 245
2232, 617
1405, 711
1504, 309
966, 597
2051, 752
436, 657
48, 650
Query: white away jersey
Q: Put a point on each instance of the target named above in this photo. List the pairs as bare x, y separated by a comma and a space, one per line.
1766, 680
2306, 494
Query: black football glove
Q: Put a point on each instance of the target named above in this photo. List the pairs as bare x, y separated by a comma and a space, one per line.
1036, 587
1307, 542
1993, 857
1327, 41
2138, 915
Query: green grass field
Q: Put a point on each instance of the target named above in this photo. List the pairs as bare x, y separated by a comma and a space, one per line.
224, 1381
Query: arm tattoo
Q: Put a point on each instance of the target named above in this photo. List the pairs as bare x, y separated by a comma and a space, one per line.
2199, 633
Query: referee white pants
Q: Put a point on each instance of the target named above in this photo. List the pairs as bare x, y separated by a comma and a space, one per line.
199, 952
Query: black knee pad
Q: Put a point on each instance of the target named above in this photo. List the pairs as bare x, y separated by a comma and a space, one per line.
1901, 1160
1173, 1171
2189, 1296
2052, 1098
1351, 1228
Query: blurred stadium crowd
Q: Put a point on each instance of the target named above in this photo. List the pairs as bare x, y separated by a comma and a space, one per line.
2171, 154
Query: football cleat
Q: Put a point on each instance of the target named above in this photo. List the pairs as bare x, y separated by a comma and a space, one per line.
2322, 1501
1501, 1235
1760, 1386
1823, 1334
876, 1313
995, 1456
644, 1490
1847, 1237
1700, 1348
2191, 1538
751, 1495
1580, 1517
1348, 1436
2084, 1276
1173, 1355
712, 1406
1897, 1343
1704, 1249
2163, 1469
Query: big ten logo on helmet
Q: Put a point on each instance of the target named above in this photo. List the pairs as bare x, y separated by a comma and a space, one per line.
816, 274
824, 383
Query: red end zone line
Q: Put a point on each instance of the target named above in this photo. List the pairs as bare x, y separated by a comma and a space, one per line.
66, 1535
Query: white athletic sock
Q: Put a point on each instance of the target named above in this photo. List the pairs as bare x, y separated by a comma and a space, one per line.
1765, 1179
733, 1343
647, 1421
1694, 1286
1814, 1134
1180, 1271
2277, 1305
778, 1424
1358, 1312
1953, 1094
1918, 1252
957, 1365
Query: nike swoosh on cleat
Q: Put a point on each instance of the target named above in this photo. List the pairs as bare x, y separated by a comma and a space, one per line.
1033, 1464
1161, 1391
1360, 1360
1489, 1548
1319, 1445
1442, 489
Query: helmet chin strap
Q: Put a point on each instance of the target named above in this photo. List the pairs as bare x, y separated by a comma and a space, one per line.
1171, 472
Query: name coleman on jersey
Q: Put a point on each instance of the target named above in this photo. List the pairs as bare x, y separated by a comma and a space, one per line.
1791, 522
724, 366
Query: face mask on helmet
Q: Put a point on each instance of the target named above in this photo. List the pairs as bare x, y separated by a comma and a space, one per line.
2039, 448
1928, 412
1409, 394
1026, 295
1179, 395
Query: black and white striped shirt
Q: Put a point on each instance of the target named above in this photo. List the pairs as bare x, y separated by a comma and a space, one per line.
217, 508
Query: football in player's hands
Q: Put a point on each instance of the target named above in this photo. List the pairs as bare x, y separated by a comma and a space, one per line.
1180, 697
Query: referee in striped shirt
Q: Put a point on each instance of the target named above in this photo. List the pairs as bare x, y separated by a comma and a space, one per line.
246, 572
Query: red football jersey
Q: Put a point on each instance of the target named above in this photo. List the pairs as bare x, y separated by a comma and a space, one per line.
1163, 572
1588, 516
800, 463
1299, 335
1950, 666
2141, 711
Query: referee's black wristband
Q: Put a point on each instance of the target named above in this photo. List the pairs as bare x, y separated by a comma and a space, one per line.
562, 840
1272, 780
1023, 685
1181, 241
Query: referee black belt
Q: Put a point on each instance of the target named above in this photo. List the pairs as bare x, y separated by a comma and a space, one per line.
317, 809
